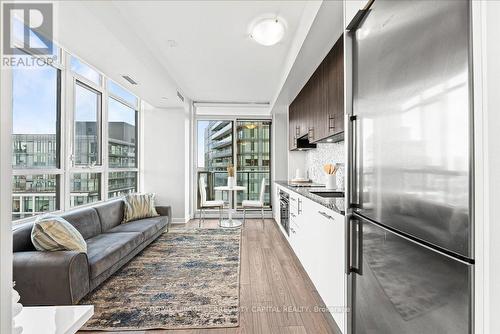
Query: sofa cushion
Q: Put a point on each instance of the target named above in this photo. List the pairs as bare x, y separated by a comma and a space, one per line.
110, 214
53, 233
86, 221
106, 249
139, 206
148, 226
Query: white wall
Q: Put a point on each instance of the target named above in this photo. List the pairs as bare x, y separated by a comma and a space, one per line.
165, 170
279, 137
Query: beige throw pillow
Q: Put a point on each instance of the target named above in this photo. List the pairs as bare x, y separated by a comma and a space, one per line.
53, 233
138, 206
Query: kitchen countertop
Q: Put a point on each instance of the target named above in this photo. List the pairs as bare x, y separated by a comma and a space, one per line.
336, 204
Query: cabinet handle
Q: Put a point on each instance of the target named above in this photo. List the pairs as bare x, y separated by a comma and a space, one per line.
310, 134
299, 207
297, 131
330, 119
325, 215
293, 231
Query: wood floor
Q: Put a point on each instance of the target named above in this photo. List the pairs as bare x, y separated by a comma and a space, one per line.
276, 296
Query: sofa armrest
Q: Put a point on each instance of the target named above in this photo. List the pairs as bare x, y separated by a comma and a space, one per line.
164, 211
51, 278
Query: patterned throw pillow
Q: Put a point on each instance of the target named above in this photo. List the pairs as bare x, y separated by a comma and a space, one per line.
53, 233
138, 206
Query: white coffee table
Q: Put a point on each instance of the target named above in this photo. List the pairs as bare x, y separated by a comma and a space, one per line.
230, 222
53, 319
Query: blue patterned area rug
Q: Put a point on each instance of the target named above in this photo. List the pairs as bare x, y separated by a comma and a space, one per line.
185, 279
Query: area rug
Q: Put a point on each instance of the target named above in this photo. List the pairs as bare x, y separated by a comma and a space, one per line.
185, 279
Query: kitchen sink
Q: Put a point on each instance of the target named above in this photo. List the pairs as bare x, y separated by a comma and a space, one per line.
328, 194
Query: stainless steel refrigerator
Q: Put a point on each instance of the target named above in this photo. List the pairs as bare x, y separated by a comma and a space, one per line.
410, 222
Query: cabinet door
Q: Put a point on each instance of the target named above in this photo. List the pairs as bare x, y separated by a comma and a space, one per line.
292, 125
331, 266
334, 76
304, 105
323, 256
316, 123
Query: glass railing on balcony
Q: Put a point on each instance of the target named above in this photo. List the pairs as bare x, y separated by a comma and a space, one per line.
251, 180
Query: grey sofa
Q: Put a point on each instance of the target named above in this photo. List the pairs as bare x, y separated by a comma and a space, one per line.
64, 277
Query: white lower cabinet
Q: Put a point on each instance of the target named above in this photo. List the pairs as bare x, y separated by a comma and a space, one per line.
317, 236
329, 261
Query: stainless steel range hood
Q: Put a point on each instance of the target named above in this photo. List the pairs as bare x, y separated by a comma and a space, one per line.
304, 144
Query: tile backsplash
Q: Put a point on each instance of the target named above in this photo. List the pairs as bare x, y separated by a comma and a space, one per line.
326, 153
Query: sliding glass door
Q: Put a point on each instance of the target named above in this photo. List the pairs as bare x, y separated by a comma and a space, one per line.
215, 154
244, 144
253, 159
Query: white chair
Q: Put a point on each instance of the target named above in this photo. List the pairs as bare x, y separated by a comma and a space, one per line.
204, 204
255, 204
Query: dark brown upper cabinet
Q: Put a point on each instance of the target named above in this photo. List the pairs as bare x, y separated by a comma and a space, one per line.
318, 110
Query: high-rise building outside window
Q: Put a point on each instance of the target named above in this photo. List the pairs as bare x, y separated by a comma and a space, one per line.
87, 115
35, 141
50, 149
85, 188
122, 141
252, 157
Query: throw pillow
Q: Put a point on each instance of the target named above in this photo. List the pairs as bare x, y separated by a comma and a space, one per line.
53, 233
138, 206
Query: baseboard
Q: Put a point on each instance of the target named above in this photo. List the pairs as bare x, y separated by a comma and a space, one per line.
181, 220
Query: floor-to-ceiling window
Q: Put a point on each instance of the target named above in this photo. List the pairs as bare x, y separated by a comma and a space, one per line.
122, 141
85, 178
75, 137
36, 141
245, 144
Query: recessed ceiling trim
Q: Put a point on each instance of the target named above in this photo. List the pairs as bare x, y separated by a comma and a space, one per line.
230, 103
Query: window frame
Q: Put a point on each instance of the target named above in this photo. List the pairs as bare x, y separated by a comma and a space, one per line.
58, 171
135, 169
234, 120
99, 127
67, 81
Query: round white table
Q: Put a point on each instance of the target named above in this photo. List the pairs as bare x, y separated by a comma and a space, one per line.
230, 222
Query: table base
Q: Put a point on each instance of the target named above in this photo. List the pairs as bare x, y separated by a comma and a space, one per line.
230, 223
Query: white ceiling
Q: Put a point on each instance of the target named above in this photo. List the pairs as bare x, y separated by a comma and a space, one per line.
213, 59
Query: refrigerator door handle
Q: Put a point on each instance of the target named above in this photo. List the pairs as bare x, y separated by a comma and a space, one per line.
348, 245
352, 156
354, 246
359, 253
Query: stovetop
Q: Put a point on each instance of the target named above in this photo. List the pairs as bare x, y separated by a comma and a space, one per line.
305, 185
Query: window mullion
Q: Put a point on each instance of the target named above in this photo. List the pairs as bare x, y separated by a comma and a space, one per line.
104, 142
69, 132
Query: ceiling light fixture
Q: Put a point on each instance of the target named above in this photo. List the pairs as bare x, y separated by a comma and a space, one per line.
268, 31
251, 126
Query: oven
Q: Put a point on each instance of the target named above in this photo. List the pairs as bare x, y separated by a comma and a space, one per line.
285, 211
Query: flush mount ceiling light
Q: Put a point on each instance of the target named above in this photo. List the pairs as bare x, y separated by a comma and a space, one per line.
251, 126
268, 31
